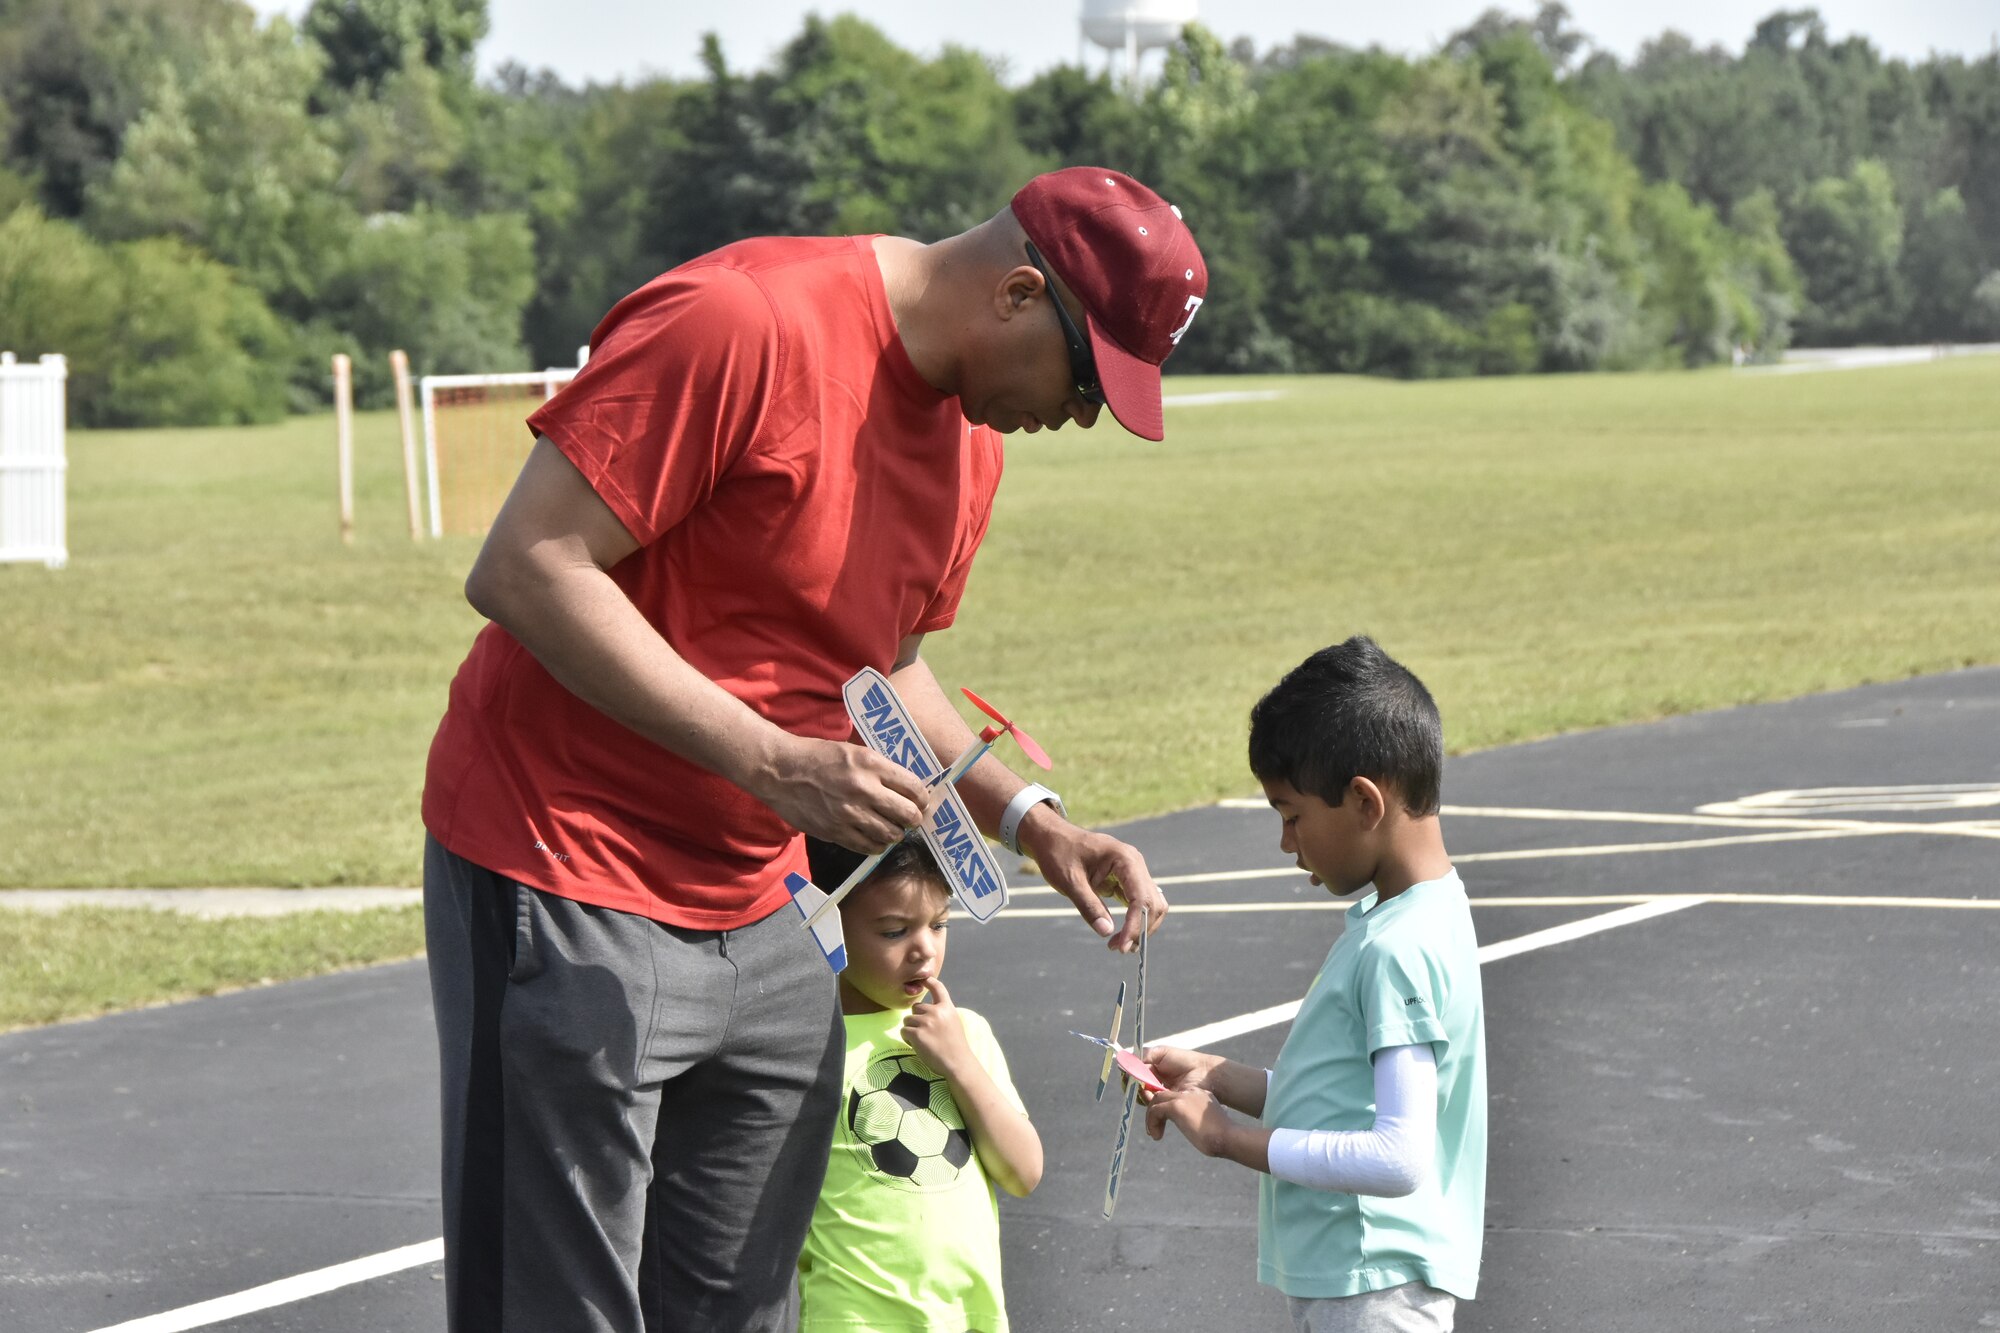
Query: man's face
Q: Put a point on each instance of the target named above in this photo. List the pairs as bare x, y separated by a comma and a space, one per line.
1026, 380
1327, 841
895, 932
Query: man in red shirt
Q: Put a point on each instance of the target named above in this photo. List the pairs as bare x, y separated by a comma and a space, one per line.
775, 469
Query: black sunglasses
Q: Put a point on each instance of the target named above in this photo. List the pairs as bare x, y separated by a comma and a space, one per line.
1082, 365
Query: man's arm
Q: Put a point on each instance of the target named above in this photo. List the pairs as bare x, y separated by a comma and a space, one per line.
1085, 866
542, 577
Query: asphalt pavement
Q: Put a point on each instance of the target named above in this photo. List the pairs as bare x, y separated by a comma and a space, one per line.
1751, 1085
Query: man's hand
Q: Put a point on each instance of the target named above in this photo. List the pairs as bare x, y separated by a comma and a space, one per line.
1088, 868
844, 793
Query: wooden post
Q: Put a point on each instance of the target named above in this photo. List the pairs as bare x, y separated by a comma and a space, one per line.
405, 414
343, 432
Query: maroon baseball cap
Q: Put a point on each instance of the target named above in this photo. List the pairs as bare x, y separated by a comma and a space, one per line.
1126, 254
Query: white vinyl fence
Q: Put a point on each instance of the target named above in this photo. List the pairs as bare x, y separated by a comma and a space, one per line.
34, 462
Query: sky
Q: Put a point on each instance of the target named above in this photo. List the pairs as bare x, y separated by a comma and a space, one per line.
607, 40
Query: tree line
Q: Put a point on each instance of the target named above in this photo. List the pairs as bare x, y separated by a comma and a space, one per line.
199, 207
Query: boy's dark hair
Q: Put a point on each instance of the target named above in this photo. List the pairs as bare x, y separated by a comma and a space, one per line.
911, 858
1345, 712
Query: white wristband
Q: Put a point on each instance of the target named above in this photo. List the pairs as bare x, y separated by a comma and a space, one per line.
1025, 800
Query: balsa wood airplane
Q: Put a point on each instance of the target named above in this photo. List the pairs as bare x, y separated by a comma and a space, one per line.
1129, 1062
962, 853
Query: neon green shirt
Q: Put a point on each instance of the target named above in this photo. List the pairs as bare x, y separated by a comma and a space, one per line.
906, 1234
1403, 972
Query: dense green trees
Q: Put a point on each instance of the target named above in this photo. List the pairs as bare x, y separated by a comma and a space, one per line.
198, 207
156, 333
1885, 176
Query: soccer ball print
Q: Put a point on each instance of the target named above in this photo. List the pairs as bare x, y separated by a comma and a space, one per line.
902, 1112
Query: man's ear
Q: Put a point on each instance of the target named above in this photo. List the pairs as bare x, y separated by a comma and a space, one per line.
1022, 285
1371, 803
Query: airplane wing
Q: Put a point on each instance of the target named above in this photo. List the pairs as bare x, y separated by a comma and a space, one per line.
967, 860
1117, 1174
1111, 1046
1141, 1073
1118, 1151
1126, 1062
826, 932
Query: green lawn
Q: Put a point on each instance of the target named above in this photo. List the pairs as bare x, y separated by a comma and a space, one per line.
86, 960
217, 692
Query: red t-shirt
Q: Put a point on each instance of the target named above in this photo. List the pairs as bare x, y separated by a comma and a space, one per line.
803, 500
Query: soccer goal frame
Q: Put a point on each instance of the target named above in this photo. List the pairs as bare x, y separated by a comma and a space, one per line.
549, 381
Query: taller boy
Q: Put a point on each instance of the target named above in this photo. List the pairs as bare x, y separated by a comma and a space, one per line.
1373, 1122
774, 470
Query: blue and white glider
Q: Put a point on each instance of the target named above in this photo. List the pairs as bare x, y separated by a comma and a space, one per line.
963, 854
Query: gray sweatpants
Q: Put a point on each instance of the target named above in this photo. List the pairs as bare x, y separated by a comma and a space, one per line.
636, 1117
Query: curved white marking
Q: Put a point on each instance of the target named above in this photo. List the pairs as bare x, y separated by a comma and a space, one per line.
1860, 800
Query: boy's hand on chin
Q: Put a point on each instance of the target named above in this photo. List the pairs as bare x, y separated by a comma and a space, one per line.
935, 1031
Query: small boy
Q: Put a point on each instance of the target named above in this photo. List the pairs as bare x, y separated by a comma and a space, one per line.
1372, 1127
906, 1235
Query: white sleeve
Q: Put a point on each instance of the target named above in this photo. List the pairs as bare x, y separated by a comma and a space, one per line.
1392, 1159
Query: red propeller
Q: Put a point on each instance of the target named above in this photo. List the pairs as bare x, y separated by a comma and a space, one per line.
1022, 738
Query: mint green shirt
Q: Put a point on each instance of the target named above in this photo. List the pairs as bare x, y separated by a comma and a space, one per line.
1403, 973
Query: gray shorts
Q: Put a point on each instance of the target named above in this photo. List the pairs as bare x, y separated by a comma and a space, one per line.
1410, 1308
636, 1117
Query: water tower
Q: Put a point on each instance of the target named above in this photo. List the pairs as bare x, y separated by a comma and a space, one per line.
1134, 27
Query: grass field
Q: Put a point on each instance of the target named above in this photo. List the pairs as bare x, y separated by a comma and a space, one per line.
217, 692
87, 960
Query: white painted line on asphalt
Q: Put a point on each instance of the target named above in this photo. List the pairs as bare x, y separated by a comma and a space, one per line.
1958, 828
1216, 876
285, 1290
1210, 1033
1860, 800
1835, 900
1590, 925
1519, 854
1573, 900
1976, 828
1677, 845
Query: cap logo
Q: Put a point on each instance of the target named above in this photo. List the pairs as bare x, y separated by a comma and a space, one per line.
1193, 307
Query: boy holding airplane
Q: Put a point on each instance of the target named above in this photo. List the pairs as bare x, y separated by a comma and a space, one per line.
1371, 1130
906, 1234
